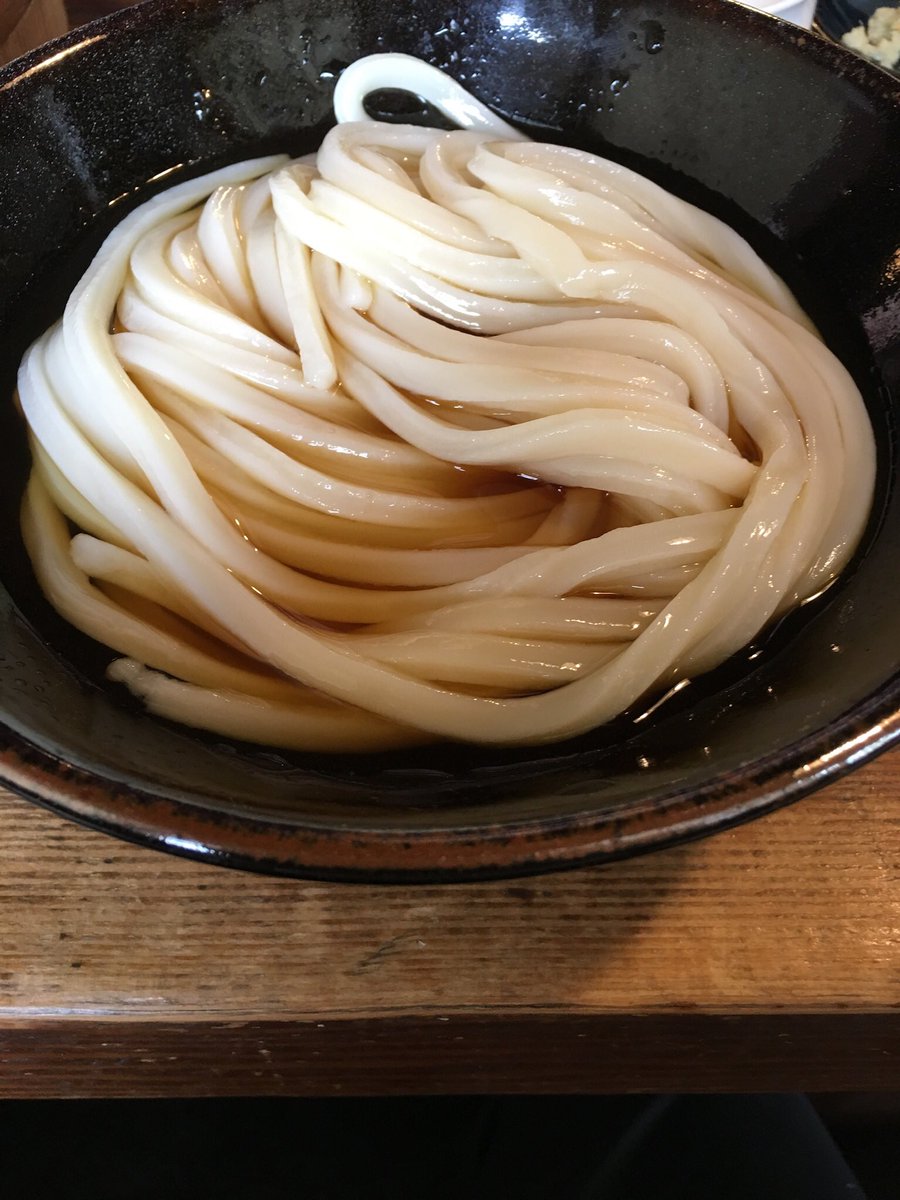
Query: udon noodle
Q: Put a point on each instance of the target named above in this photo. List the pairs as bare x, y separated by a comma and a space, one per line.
431, 435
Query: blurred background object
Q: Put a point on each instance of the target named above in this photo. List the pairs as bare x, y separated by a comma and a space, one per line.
799, 12
27, 23
81, 11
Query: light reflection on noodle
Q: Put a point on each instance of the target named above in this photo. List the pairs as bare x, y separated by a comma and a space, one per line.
437, 436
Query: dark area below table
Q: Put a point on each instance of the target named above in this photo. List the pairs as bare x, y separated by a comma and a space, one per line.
567, 1148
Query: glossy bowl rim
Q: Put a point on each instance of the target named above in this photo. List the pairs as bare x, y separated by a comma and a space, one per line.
517, 848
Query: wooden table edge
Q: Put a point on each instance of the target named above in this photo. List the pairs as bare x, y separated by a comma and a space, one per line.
458, 1053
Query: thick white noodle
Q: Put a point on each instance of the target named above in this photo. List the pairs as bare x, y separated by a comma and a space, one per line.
434, 435
406, 73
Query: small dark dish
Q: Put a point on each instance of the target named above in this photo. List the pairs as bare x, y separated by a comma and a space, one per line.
789, 138
837, 17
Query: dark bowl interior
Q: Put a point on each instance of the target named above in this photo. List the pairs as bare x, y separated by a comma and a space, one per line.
787, 137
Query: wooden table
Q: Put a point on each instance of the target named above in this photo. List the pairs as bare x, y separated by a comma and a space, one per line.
765, 958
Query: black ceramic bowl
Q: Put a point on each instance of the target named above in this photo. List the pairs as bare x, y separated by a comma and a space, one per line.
776, 130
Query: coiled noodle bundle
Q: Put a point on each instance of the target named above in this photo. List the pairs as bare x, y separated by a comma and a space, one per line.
433, 435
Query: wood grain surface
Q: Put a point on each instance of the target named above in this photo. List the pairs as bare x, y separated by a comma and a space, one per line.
765, 958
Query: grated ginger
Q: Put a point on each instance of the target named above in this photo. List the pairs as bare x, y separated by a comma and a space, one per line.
880, 40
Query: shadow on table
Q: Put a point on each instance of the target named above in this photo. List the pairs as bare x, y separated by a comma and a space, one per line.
528, 943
